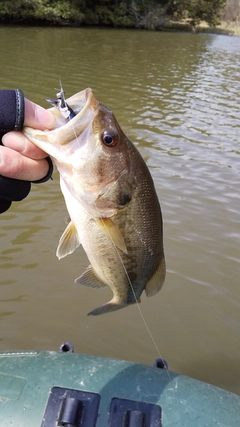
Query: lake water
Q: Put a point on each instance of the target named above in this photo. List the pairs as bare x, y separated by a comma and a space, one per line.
176, 96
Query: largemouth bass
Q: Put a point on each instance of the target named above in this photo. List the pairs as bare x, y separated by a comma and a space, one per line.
111, 200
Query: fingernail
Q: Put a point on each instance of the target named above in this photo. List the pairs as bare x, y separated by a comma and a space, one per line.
46, 117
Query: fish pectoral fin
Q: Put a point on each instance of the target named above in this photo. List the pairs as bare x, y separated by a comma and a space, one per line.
68, 242
155, 283
112, 232
89, 278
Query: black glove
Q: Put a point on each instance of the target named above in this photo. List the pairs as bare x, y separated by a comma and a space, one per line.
12, 118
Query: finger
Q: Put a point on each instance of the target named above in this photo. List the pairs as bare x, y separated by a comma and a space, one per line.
18, 142
14, 165
37, 117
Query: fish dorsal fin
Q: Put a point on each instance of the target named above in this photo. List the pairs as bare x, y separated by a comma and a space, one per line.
112, 232
68, 242
89, 278
155, 283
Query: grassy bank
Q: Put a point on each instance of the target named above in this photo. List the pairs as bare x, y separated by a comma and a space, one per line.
225, 28
169, 24
231, 28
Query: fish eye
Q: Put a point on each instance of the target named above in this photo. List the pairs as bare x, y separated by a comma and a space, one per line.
109, 138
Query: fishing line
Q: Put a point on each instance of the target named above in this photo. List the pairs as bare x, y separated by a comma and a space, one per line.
141, 313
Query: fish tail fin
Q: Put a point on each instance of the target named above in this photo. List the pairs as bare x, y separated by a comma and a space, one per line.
106, 308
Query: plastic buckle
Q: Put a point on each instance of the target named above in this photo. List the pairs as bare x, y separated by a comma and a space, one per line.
68, 407
131, 413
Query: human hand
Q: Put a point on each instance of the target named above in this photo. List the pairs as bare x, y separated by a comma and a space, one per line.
20, 161
19, 158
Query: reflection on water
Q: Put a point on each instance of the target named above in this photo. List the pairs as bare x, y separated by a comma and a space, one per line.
175, 96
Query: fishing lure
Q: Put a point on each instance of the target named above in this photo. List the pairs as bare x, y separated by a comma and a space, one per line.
61, 104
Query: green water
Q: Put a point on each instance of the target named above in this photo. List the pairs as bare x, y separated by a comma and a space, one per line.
176, 97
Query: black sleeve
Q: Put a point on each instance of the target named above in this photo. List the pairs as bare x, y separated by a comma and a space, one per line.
12, 114
12, 118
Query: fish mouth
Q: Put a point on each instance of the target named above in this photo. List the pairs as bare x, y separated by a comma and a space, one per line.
84, 105
81, 101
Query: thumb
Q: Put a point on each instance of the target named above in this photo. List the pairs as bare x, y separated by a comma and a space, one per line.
37, 117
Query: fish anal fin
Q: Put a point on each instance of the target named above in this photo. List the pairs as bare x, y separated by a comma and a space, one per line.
112, 232
155, 283
68, 242
89, 278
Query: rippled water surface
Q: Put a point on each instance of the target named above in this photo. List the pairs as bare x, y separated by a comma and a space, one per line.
177, 97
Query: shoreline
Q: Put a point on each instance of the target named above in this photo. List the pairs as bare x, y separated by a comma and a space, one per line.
224, 28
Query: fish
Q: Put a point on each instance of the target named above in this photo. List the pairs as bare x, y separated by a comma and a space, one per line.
113, 207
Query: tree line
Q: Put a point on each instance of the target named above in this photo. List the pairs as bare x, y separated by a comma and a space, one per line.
149, 14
